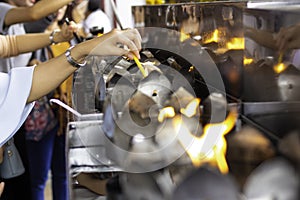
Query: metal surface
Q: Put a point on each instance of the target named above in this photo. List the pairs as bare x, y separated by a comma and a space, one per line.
270, 99
86, 154
127, 133
86, 148
273, 179
205, 183
198, 20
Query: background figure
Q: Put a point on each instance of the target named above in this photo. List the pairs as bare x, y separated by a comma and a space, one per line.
11, 19
45, 143
20, 183
32, 83
95, 18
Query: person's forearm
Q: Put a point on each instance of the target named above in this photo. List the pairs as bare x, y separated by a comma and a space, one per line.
49, 75
31, 42
261, 37
39, 10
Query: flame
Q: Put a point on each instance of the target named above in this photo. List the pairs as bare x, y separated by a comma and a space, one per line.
192, 68
226, 125
183, 36
236, 43
195, 145
280, 67
213, 37
248, 61
191, 108
167, 112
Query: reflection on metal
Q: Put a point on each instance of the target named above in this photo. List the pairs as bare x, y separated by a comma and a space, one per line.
141, 112
217, 26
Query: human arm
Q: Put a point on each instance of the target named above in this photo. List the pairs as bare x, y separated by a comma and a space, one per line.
288, 38
32, 42
48, 75
261, 37
37, 11
12, 45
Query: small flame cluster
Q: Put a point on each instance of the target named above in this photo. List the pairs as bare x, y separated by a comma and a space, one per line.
193, 145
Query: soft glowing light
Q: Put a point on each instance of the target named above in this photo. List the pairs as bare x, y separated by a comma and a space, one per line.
184, 36
226, 125
236, 43
193, 145
212, 37
167, 112
248, 61
280, 67
192, 68
191, 108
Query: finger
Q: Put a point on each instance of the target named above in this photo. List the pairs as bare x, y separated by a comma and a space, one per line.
289, 40
280, 38
280, 33
283, 40
74, 26
130, 44
135, 36
122, 52
138, 39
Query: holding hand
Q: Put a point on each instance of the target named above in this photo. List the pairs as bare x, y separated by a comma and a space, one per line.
115, 43
66, 33
288, 38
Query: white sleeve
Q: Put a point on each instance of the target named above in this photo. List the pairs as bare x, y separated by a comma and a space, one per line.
15, 88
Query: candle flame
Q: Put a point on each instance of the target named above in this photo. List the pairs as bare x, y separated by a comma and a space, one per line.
212, 37
236, 43
184, 36
191, 108
280, 67
167, 112
248, 61
193, 145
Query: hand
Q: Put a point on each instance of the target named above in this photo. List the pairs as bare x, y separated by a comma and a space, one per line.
34, 62
115, 43
288, 38
66, 32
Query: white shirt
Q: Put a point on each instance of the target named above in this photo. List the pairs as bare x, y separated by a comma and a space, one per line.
97, 19
15, 88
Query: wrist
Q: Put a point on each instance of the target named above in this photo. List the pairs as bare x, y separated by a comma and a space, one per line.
53, 37
75, 58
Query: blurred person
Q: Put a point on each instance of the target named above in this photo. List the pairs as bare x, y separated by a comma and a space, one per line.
31, 83
288, 39
95, 18
41, 40
44, 131
46, 76
12, 16
78, 12
36, 41
14, 45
